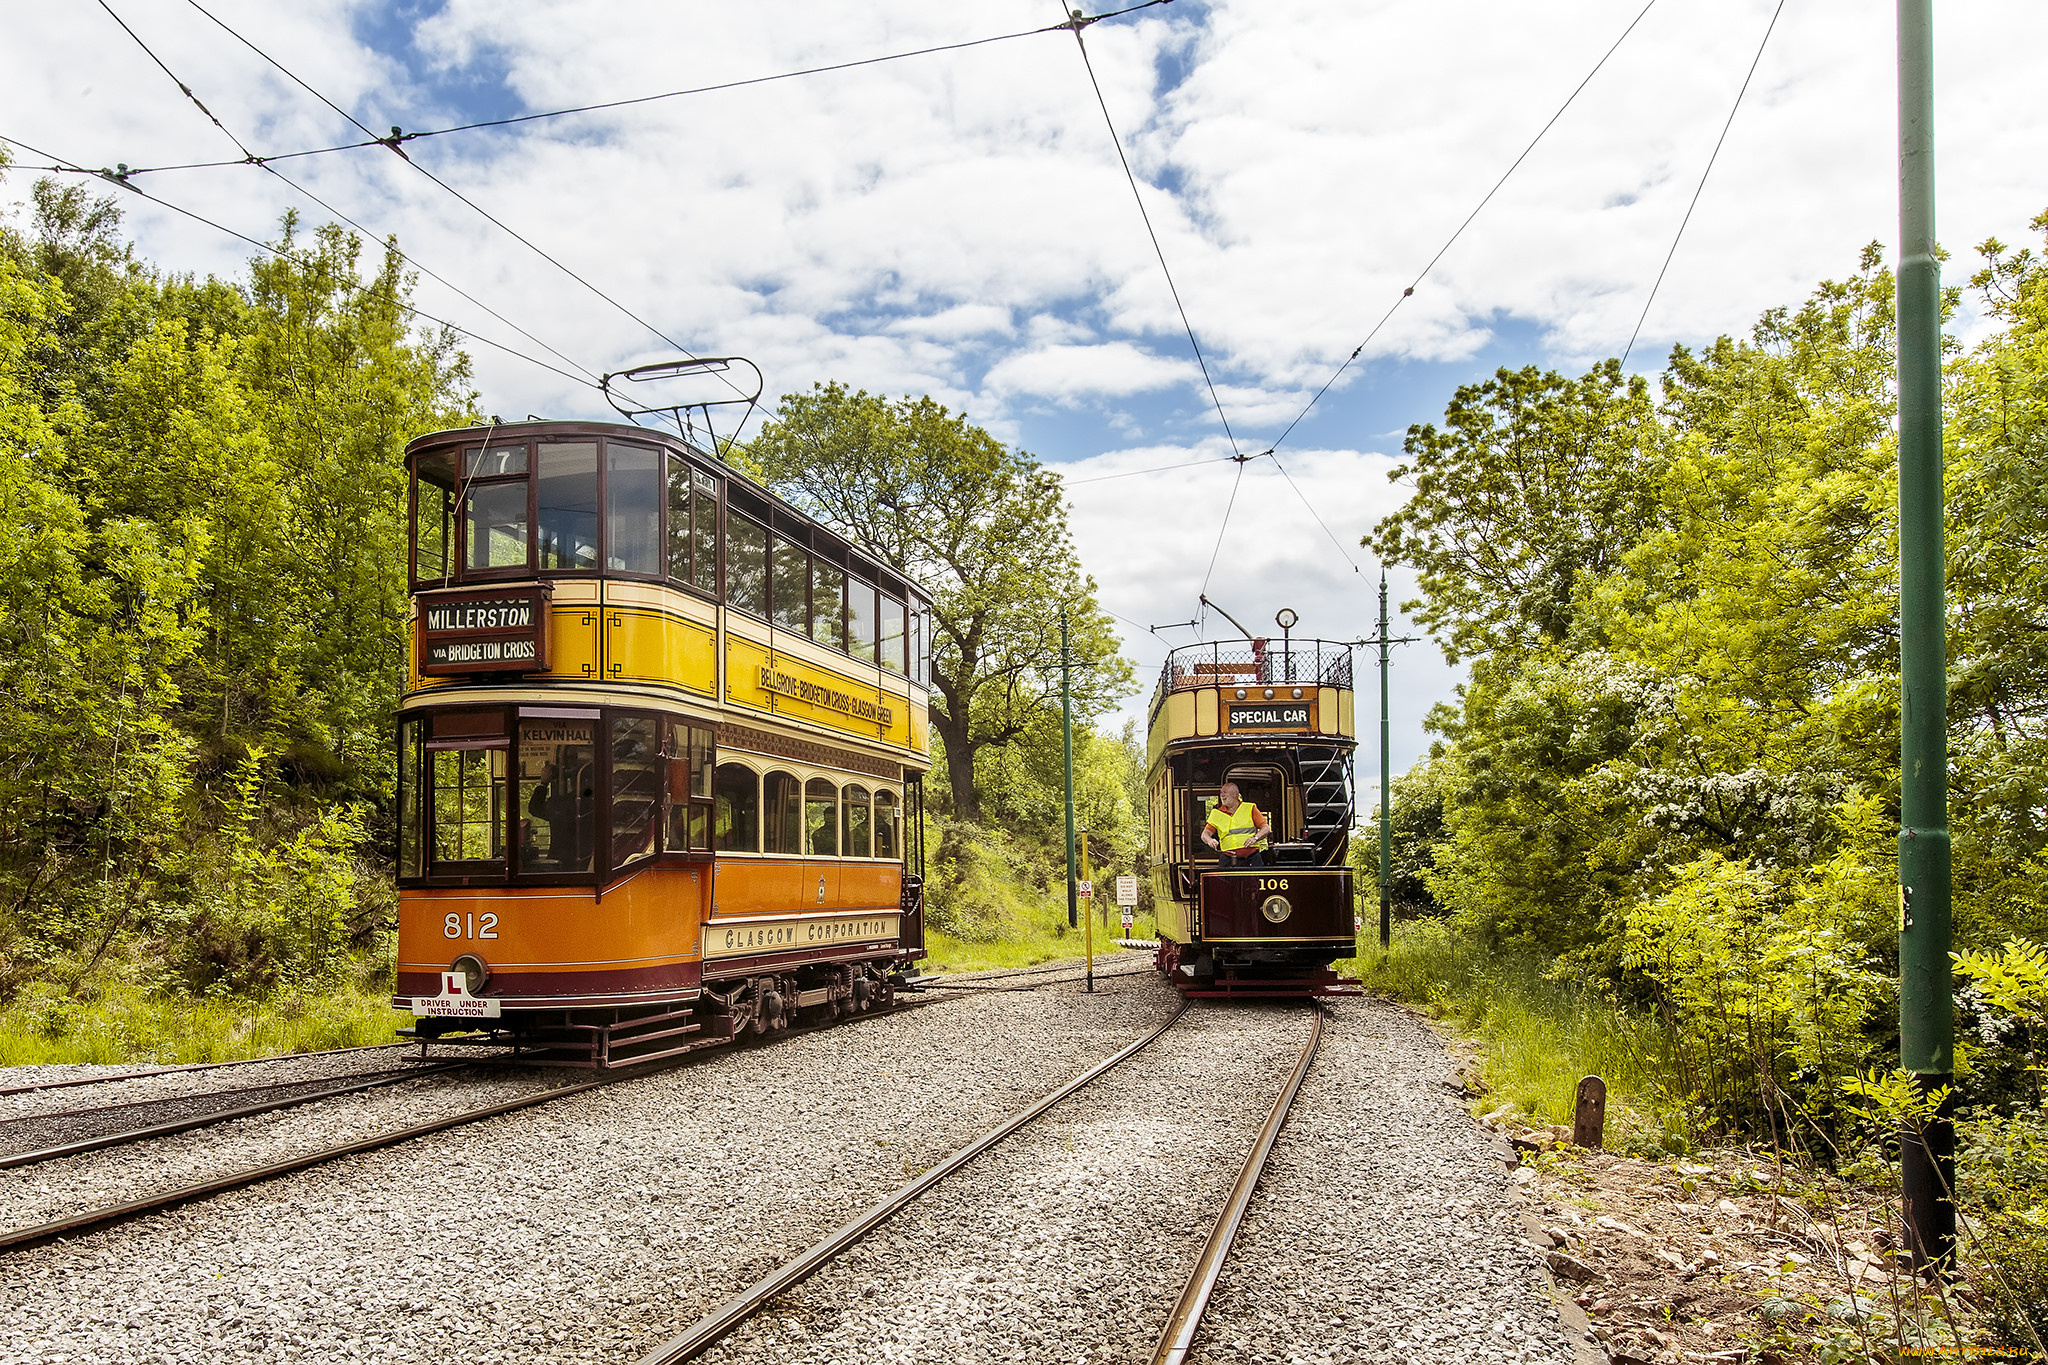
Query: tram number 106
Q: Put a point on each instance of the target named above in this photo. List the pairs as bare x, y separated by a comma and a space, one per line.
471, 925
1265, 884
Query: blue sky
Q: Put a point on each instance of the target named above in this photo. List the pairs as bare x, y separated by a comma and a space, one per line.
958, 224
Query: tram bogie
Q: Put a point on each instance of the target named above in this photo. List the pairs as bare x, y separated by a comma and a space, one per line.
661, 751
1274, 722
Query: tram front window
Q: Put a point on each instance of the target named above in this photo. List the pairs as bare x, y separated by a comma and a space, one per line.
557, 795
632, 496
469, 805
568, 505
495, 517
636, 787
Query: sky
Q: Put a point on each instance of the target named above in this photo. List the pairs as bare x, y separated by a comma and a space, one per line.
959, 223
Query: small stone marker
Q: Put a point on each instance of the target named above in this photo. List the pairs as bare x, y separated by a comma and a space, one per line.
1589, 1122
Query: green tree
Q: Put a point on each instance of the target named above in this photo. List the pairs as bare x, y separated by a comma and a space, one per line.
980, 527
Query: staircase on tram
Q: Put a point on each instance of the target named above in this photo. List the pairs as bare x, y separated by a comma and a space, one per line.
1326, 802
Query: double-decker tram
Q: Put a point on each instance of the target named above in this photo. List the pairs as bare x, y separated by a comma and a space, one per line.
1273, 720
660, 751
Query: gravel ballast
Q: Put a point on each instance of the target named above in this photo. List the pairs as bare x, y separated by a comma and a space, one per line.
594, 1228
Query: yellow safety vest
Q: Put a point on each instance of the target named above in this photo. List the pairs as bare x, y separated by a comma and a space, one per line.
1234, 829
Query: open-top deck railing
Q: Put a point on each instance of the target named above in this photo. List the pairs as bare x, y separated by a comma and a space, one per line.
1249, 663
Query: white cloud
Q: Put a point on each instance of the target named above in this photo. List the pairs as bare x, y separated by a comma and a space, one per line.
1069, 372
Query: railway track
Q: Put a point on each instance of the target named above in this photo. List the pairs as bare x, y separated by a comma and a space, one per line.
186, 1068
1178, 1333
24, 1139
91, 1219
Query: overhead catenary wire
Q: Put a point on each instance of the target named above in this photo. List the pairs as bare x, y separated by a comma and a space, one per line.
1697, 189
1423, 274
489, 217
1076, 22
589, 375
291, 257
399, 137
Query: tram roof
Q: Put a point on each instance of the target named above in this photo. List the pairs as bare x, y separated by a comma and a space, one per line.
755, 499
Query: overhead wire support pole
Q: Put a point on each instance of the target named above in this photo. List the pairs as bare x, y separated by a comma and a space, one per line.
1926, 985
1384, 643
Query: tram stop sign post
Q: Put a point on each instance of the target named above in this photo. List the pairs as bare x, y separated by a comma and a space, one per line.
1127, 899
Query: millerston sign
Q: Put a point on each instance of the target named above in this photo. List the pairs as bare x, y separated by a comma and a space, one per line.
1292, 715
499, 631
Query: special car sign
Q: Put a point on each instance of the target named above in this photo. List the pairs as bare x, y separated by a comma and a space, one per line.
498, 631
1271, 715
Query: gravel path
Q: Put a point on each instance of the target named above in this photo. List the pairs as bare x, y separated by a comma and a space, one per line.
1383, 1228
1068, 1240
592, 1229
586, 1230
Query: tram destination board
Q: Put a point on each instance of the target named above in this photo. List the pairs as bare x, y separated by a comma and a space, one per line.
1272, 715
498, 631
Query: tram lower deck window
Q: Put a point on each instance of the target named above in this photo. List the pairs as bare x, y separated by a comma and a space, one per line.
557, 809
736, 809
468, 805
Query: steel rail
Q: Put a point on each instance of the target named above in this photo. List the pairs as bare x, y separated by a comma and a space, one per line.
1179, 1334
713, 1326
188, 1066
185, 1125
1146, 970
23, 1238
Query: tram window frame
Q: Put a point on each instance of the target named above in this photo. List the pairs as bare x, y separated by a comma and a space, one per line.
586, 809
689, 756
738, 527
885, 798
645, 791
495, 785
594, 510
787, 823
790, 611
900, 664
833, 634
479, 479
424, 485
723, 842
863, 619
821, 807
692, 501
411, 800
621, 518
855, 797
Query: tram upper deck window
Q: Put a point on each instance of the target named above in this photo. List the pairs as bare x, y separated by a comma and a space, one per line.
892, 634
736, 809
632, 495
692, 526
433, 517
860, 619
828, 604
791, 581
567, 489
746, 565
918, 618
557, 811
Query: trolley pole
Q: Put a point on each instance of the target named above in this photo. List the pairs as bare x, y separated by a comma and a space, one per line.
1926, 1000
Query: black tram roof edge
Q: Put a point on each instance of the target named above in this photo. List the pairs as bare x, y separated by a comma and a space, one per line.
775, 507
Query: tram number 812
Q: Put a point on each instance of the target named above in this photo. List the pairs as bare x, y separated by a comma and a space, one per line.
469, 926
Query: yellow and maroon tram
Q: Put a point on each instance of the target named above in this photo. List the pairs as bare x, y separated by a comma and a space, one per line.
1275, 720
661, 750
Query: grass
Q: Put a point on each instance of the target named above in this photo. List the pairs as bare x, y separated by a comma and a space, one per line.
1024, 944
1538, 1036
126, 1024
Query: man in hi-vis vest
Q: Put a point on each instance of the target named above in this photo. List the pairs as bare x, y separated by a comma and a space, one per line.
1236, 830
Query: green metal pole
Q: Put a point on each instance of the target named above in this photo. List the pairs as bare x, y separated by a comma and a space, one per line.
1067, 730
1926, 1001
1386, 788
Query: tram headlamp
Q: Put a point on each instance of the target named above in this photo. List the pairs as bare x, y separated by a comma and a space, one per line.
1276, 908
475, 975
